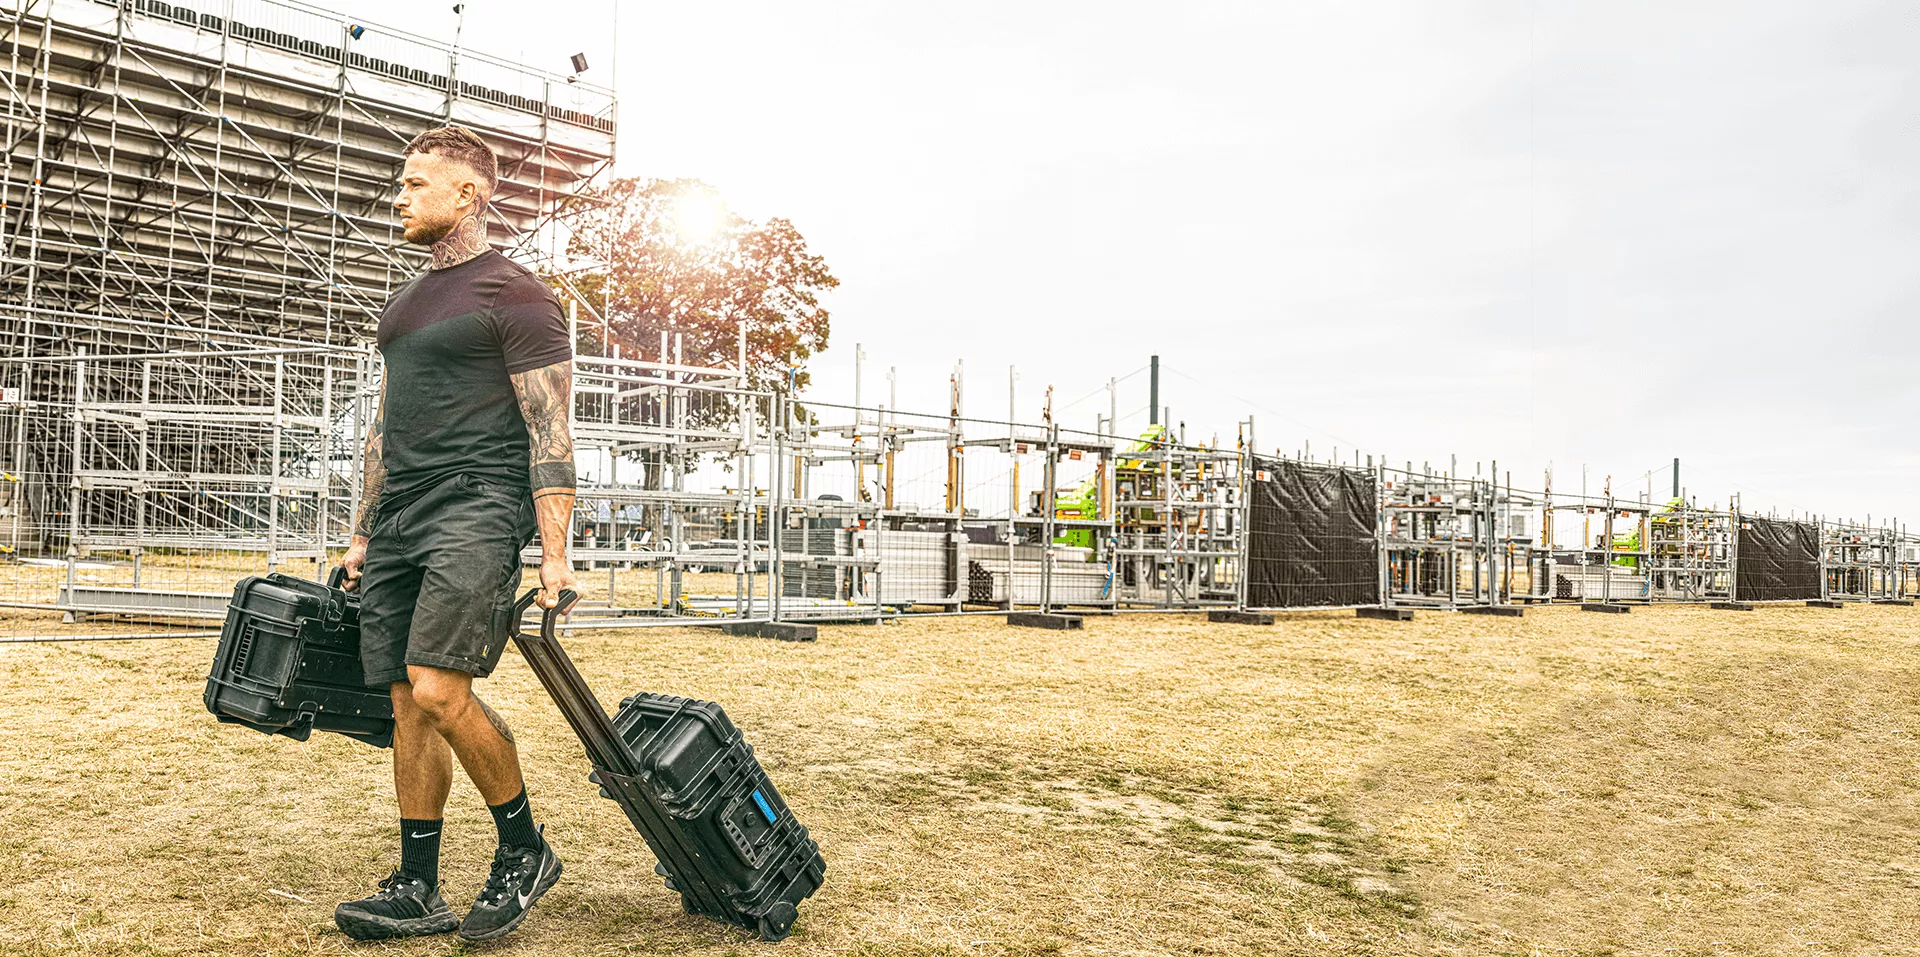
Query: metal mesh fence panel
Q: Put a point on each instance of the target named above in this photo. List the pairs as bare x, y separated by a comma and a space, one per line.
147, 485
1779, 561
1311, 536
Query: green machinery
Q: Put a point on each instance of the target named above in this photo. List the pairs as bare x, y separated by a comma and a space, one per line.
1083, 503
1630, 542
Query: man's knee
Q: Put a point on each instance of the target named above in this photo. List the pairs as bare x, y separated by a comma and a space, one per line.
438, 693
405, 710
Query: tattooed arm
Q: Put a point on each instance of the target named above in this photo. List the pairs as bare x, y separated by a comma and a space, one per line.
546, 395
373, 483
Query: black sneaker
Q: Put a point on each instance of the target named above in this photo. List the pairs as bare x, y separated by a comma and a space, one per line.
402, 907
520, 875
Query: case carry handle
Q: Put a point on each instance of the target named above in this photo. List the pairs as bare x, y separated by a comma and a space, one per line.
334, 609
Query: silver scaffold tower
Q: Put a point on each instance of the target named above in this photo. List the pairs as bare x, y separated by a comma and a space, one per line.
197, 242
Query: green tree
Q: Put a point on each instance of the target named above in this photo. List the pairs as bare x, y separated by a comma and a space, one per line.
677, 260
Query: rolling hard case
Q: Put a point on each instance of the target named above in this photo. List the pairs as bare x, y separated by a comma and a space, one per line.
691, 786
289, 662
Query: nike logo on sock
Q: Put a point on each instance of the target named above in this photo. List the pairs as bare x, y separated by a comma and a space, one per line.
516, 811
428, 834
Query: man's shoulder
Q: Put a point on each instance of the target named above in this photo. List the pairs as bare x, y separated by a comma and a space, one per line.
519, 285
500, 266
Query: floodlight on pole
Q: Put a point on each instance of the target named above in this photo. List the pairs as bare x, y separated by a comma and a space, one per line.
453, 62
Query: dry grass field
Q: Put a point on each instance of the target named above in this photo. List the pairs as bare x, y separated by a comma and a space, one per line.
1675, 781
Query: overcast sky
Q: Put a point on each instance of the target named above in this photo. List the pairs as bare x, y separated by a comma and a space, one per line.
1600, 233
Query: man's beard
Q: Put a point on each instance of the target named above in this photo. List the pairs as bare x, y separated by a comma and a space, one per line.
421, 234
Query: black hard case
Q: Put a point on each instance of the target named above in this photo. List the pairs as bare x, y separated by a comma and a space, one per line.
691, 786
289, 662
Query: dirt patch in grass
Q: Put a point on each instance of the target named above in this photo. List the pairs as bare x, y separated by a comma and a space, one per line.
1673, 781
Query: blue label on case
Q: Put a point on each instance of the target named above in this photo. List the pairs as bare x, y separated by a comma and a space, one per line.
764, 809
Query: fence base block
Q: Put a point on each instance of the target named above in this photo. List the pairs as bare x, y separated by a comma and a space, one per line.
1732, 605
1034, 619
1503, 611
1385, 614
777, 630
1823, 603
1907, 602
1240, 617
1609, 608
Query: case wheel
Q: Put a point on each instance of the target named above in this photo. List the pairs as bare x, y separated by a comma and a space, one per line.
777, 923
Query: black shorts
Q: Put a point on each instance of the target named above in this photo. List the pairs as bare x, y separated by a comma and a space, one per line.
438, 585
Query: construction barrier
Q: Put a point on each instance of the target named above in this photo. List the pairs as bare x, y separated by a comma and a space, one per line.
1311, 539
1778, 561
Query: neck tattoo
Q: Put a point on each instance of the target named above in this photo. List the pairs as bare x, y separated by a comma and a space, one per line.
467, 239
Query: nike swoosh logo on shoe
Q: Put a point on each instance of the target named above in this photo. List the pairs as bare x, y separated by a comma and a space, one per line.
527, 896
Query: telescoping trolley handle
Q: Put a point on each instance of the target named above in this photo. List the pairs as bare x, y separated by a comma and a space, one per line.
567, 689
549, 616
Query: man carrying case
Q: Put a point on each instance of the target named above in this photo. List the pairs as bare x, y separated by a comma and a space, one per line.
289, 663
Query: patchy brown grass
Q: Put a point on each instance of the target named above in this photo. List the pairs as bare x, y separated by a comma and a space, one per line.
1671, 781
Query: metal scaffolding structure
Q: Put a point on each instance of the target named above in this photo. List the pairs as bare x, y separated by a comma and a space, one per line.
1179, 536
1691, 553
1859, 562
648, 425
1441, 543
1055, 544
1609, 565
1906, 568
191, 182
131, 493
195, 245
863, 540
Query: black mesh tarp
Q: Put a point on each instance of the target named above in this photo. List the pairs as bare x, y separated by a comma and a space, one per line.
1779, 561
1310, 537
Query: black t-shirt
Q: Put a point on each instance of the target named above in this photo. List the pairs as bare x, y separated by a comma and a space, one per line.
451, 337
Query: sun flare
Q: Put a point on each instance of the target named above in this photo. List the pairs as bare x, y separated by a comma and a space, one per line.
699, 217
